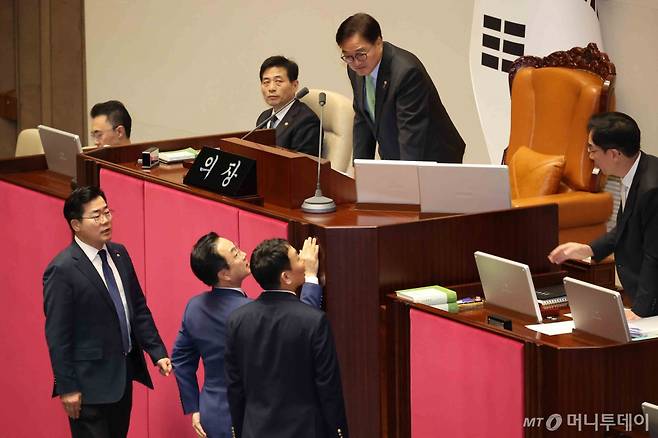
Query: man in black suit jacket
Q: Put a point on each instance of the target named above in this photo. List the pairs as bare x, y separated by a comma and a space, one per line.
614, 145
97, 323
297, 126
282, 372
395, 101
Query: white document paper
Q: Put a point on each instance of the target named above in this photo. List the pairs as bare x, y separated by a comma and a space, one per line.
388, 181
553, 328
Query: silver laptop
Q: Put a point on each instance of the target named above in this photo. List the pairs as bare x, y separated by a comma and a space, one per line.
463, 188
597, 310
651, 411
507, 284
61, 149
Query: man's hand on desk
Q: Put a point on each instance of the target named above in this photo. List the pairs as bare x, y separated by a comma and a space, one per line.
630, 316
570, 251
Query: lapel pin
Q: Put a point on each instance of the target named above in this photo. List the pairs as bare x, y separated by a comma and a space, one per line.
285, 124
385, 84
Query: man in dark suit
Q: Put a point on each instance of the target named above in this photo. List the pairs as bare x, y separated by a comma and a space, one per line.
614, 145
282, 371
223, 266
395, 101
97, 323
297, 126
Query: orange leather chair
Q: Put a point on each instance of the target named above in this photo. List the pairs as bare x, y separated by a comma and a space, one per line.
552, 101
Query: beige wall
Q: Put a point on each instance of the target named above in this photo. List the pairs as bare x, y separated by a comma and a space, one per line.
191, 67
630, 36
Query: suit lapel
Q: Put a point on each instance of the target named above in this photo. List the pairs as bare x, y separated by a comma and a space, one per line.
288, 119
632, 195
383, 81
360, 98
85, 266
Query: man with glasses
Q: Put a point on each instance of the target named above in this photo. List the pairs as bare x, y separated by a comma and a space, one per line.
297, 126
110, 124
97, 323
395, 101
614, 145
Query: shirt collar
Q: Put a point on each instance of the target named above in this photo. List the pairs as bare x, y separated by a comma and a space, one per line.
627, 180
237, 289
281, 290
283, 113
375, 72
89, 250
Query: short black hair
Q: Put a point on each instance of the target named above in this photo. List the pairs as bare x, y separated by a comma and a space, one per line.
292, 69
361, 24
205, 261
615, 130
74, 206
268, 261
116, 114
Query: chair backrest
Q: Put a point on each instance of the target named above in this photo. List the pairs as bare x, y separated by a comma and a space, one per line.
338, 121
28, 143
552, 101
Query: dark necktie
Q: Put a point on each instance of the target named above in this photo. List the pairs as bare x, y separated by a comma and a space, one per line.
116, 299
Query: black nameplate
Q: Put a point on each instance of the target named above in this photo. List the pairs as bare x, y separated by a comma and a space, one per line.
223, 173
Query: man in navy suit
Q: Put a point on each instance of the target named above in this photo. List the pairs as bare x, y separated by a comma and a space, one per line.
614, 145
217, 262
97, 323
282, 373
297, 126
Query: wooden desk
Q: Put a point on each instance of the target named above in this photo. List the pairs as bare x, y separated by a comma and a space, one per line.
565, 375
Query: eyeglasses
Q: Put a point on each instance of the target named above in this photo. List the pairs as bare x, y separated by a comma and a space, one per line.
358, 56
97, 134
107, 214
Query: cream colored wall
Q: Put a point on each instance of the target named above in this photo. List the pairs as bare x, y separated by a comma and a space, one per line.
630, 37
191, 67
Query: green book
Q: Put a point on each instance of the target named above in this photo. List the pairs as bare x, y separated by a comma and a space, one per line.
430, 295
448, 307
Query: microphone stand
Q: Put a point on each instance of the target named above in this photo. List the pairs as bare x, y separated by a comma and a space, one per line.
319, 203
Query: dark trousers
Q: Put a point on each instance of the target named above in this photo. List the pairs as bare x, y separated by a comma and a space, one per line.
109, 420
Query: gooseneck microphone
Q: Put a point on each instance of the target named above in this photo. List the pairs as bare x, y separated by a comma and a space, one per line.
301, 93
319, 203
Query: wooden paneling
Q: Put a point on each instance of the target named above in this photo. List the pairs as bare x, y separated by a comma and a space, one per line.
7, 79
50, 79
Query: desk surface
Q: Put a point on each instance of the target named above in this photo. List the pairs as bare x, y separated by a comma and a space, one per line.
477, 317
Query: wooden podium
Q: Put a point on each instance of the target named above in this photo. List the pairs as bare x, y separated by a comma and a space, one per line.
365, 254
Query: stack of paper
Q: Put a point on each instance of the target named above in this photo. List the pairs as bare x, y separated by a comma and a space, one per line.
177, 156
644, 328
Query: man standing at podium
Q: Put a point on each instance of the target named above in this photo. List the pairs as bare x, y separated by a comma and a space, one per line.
395, 101
282, 373
217, 262
297, 126
614, 145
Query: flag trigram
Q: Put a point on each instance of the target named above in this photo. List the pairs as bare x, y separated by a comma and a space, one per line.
502, 42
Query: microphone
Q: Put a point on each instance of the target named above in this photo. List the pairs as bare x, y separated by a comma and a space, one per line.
319, 203
301, 93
